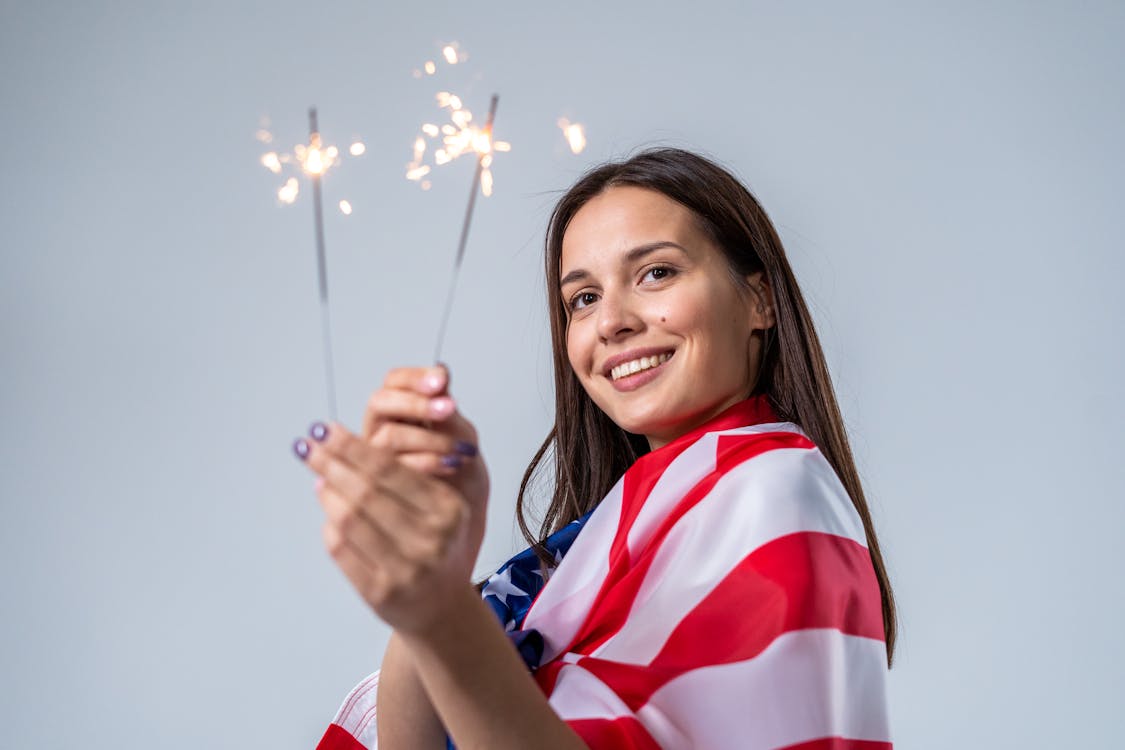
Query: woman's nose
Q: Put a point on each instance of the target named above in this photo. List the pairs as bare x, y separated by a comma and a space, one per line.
617, 317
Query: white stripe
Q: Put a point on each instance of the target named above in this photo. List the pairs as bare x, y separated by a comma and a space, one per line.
561, 607
780, 492
355, 718
808, 684
580, 695
687, 470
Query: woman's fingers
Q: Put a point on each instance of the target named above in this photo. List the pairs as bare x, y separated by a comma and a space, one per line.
384, 534
360, 470
409, 394
404, 439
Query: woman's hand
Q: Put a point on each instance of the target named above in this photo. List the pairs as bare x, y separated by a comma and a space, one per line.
413, 416
405, 502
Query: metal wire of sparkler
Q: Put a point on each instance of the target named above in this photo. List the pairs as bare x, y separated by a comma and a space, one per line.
315, 165
482, 155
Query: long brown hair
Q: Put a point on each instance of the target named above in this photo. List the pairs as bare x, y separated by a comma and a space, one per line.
591, 452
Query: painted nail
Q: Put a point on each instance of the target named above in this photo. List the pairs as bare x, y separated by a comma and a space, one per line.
465, 449
452, 461
441, 407
318, 431
301, 448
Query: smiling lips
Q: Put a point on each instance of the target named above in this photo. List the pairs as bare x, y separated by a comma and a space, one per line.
639, 364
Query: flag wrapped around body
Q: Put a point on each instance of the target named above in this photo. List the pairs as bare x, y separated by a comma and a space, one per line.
720, 596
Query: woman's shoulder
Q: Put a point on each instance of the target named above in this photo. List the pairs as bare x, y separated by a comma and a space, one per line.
779, 472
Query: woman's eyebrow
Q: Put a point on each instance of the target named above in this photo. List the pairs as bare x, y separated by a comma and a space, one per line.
631, 257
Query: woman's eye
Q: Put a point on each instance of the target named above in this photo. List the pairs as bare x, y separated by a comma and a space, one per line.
582, 299
658, 273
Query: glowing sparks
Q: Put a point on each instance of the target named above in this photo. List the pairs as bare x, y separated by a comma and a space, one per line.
452, 140
312, 159
316, 159
272, 162
345, 208
287, 193
575, 135
430, 67
450, 53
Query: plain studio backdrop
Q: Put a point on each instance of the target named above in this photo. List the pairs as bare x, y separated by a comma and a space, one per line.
947, 179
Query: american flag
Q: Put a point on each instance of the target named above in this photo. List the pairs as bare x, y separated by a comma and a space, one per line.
720, 596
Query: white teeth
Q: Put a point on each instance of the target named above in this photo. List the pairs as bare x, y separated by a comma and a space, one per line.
636, 365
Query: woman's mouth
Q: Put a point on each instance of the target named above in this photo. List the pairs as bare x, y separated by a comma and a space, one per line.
641, 364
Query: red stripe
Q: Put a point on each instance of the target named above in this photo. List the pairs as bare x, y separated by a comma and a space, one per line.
338, 738
796, 582
840, 743
643, 475
627, 571
622, 733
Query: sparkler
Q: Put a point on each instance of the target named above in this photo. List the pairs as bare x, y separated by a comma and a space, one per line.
315, 160
482, 145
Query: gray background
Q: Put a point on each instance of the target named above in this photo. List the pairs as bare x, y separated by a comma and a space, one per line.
947, 180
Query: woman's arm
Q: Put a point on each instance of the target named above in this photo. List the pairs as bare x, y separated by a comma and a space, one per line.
406, 716
479, 686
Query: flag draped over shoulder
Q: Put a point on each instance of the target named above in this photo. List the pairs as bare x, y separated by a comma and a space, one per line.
720, 596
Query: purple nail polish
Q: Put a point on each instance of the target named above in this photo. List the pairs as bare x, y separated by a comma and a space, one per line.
465, 449
301, 448
318, 431
451, 461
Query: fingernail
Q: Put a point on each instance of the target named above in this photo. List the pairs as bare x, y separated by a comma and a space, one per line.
452, 461
441, 407
318, 431
301, 448
433, 380
465, 449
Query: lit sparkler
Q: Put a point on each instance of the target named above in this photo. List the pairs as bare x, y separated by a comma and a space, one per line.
454, 139
483, 146
315, 159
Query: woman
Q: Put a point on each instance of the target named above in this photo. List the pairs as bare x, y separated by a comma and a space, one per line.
714, 576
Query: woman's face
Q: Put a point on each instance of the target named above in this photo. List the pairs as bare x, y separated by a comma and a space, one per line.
660, 336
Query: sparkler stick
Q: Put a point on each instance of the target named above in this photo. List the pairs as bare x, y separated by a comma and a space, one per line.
315, 168
482, 153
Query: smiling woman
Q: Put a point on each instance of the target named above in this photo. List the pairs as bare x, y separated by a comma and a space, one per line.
706, 575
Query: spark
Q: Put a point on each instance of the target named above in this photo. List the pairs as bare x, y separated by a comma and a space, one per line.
357, 149
345, 208
287, 193
575, 134
272, 162
264, 136
430, 67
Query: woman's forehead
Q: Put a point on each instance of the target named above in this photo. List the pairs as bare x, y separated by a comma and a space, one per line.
621, 218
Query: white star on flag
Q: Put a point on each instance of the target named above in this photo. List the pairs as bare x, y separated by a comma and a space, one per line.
501, 586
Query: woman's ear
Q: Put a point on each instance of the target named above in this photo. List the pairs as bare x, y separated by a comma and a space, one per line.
762, 312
